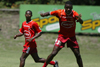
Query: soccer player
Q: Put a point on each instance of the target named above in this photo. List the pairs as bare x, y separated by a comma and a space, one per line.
67, 21
30, 30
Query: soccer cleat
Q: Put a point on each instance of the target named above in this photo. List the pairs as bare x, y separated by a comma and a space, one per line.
56, 64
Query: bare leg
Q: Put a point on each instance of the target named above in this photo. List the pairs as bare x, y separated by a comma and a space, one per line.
54, 52
76, 52
41, 60
22, 59
37, 59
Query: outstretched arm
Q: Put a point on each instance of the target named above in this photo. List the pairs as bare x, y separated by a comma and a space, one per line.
79, 19
37, 35
18, 35
44, 14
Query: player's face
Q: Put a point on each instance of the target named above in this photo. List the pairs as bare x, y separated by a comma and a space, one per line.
68, 8
28, 14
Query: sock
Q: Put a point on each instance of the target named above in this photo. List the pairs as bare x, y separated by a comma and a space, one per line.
52, 63
45, 64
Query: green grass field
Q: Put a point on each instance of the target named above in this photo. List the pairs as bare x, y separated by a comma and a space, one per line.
11, 50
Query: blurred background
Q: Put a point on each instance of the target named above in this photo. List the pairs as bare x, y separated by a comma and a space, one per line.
16, 3
88, 35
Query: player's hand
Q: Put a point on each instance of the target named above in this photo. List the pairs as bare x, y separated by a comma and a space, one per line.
42, 14
79, 19
29, 40
15, 37
79, 16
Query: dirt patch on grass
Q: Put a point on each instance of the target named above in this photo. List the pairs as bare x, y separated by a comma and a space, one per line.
9, 24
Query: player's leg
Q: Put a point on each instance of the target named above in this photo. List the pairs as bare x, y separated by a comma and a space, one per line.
22, 59
56, 49
73, 44
38, 59
76, 52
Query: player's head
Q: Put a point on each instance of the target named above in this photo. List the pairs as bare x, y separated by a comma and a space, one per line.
68, 7
28, 14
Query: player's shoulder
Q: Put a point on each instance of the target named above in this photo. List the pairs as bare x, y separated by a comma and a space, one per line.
60, 10
74, 11
33, 22
24, 22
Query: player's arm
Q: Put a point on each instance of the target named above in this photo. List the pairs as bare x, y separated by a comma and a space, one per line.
18, 35
37, 35
45, 14
79, 19
53, 13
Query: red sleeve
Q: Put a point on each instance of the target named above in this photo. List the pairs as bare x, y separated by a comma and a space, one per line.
53, 12
56, 12
37, 28
75, 14
21, 30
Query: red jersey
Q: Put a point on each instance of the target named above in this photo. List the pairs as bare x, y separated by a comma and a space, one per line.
67, 22
29, 30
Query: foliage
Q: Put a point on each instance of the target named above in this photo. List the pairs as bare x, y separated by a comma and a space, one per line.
16, 3
86, 2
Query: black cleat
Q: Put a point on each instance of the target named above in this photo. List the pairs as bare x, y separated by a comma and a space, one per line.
56, 64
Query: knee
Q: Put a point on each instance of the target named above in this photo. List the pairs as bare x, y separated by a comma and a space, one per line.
36, 61
22, 59
39, 60
78, 56
53, 53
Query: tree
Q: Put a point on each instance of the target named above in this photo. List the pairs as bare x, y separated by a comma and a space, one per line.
85, 2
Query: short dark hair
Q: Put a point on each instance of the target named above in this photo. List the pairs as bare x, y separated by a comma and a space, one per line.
68, 2
29, 11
